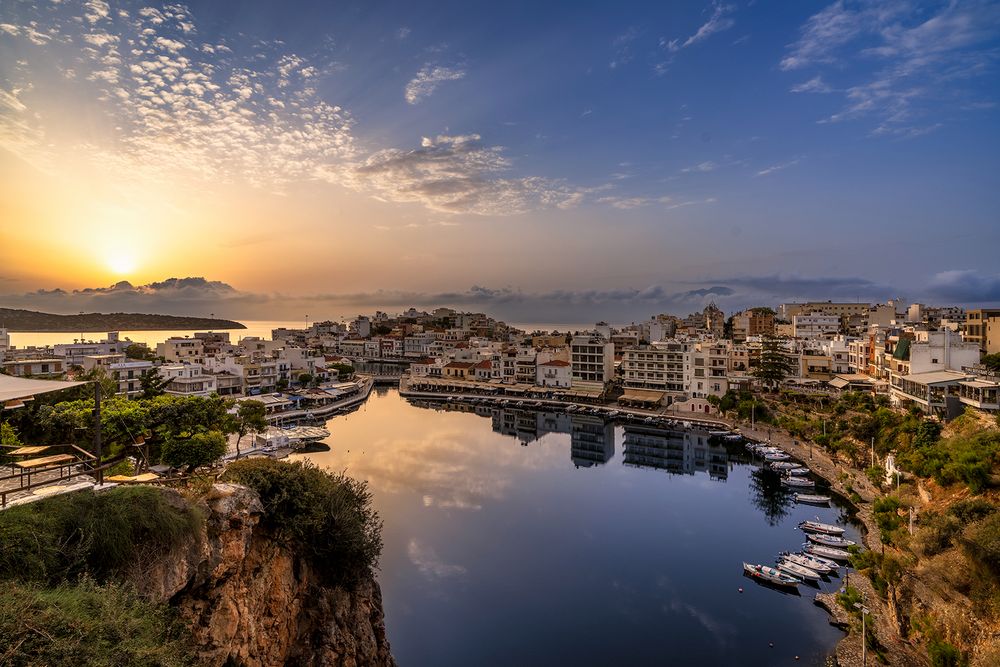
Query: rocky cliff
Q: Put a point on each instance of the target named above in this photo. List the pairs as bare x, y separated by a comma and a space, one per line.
250, 600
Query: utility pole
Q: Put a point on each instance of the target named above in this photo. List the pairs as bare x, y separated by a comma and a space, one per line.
98, 444
873, 451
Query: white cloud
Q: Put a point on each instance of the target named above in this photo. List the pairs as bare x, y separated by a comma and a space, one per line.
701, 167
717, 22
813, 85
403, 33
778, 167
915, 58
428, 79
622, 48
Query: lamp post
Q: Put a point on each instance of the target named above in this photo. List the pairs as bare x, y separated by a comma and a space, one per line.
864, 636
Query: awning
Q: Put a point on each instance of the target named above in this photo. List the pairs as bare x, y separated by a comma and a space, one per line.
12, 388
642, 396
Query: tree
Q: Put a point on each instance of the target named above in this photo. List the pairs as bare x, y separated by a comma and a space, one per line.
250, 418
305, 379
152, 383
199, 450
992, 362
140, 352
344, 371
773, 364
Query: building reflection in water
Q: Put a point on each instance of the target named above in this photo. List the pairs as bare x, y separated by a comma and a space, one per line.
592, 439
677, 451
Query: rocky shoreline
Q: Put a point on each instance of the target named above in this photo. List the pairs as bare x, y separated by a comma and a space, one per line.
849, 651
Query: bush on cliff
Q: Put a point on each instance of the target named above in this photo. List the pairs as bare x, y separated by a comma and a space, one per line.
101, 535
328, 515
88, 624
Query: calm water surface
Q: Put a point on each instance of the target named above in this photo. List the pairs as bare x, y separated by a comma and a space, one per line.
259, 328
523, 538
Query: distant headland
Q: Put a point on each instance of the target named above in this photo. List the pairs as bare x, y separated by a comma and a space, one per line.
28, 320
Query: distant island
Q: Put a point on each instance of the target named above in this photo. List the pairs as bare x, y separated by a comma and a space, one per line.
14, 319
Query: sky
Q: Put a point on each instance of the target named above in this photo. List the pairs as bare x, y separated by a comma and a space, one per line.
543, 161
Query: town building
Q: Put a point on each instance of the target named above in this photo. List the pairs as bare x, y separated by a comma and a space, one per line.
181, 350
815, 325
555, 373
592, 359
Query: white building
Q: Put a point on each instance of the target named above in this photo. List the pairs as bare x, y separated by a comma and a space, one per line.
554, 373
187, 380
592, 358
815, 325
181, 350
128, 374
73, 353
657, 366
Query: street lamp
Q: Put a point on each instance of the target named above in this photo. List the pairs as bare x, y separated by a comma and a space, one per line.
864, 638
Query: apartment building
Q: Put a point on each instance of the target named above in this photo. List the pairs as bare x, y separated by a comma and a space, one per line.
555, 373
187, 380
181, 350
753, 322
37, 368
840, 309
979, 324
705, 369
73, 354
655, 366
592, 359
128, 374
815, 325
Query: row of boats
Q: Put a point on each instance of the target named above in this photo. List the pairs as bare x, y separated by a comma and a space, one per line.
821, 556
825, 548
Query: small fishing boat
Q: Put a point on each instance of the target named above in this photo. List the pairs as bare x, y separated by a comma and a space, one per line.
783, 465
815, 563
826, 552
798, 472
811, 499
776, 456
733, 437
830, 540
798, 481
802, 572
819, 527
771, 575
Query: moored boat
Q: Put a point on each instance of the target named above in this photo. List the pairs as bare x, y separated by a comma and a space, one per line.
771, 575
796, 570
819, 527
815, 563
776, 456
812, 499
801, 482
783, 465
826, 552
799, 472
830, 540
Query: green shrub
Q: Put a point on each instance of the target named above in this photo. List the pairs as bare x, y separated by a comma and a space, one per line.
88, 624
97, 534
328, 515
936, 532
982, 542
943, 654
201, 449
972, 509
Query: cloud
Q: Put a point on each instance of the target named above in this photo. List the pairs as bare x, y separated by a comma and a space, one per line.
184, 111
763, 288
965, 286
626, 203
173, 296
916, 60
778, 167
457, 174
813, 85
403, 33
428, 79
621, 47
426, 560
701, 167
717, 22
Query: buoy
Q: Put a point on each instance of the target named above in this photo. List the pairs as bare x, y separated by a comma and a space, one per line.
770, 644
741, 589
796, 657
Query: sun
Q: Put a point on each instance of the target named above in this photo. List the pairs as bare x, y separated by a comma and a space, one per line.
121, 263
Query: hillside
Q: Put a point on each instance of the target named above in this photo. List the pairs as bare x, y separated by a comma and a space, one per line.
29, 320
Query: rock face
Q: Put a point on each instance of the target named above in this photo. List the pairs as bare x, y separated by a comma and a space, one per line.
250, 600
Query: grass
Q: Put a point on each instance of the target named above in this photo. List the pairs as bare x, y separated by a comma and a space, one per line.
88, 624
98, 535
328, 516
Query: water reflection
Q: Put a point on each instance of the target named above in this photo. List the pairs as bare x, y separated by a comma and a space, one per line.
519, 536
769, 495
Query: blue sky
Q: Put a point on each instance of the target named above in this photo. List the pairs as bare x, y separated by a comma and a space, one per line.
776, 150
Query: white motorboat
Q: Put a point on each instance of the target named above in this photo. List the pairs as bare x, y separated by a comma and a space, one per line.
830, 540
771, 575
783, 465
776, 456
800, 482
796, 570
819, 527
812, 562
799, 472
826, 552
812, 499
